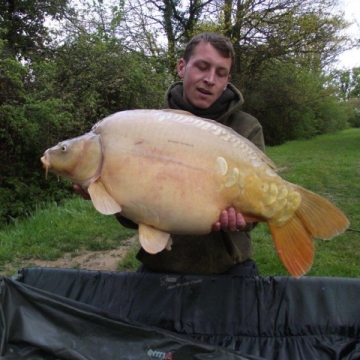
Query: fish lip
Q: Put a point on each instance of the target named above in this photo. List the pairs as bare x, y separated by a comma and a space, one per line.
46, 165
45, 162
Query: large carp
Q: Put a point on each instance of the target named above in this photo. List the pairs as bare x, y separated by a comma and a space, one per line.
173, 173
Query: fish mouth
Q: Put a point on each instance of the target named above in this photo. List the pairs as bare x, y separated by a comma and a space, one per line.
46, 165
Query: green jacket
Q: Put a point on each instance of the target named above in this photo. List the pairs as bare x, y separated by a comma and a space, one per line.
218, 251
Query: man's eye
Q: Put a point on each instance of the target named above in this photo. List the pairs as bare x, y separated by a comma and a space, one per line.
222, 73
202, 67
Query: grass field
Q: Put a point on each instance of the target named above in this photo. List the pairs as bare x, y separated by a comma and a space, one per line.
328, 165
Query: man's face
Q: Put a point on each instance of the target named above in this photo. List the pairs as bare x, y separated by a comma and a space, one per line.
205, 76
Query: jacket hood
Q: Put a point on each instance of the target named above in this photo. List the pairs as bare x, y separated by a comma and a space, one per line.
229, 102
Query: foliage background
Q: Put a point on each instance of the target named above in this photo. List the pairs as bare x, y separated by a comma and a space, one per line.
66, 64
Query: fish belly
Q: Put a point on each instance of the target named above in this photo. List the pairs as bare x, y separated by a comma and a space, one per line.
178, 172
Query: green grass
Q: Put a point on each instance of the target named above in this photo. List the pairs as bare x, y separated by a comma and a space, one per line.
54, 230
328, 165
130, 263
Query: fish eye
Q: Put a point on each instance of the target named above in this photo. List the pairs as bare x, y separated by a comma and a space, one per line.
63, 148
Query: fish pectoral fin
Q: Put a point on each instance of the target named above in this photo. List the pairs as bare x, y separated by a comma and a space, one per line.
153, 240
294, 246
102, 200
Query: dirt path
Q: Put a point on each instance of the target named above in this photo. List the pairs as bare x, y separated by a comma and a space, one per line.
89, 260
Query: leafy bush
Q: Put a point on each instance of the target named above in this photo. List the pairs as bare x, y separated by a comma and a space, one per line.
293, 103
58, 98
354, 120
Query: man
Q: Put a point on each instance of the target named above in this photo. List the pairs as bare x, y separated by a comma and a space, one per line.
205, 91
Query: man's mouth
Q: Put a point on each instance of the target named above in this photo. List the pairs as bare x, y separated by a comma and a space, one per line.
204, 91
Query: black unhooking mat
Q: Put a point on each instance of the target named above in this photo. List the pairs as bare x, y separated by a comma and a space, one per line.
76, 314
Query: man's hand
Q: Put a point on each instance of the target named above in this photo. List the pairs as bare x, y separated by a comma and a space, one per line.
230, 221
82, 192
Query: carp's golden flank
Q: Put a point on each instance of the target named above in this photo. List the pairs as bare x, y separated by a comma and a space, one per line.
173, 173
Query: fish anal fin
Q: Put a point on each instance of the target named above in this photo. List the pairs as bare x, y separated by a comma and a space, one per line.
321, 218
153, 240
102, 200
294, 246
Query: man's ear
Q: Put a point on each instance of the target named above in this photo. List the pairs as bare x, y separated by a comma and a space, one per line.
181, 67
227, 83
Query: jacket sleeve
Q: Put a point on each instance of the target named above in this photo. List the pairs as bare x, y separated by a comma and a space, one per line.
249, 127
257, 137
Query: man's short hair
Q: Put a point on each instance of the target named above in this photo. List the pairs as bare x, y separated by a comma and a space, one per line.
218, 41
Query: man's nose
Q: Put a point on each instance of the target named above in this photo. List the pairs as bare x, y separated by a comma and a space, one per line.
210, 77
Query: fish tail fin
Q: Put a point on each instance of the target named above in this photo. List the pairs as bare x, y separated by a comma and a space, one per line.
316, 217
294, 246
320, 217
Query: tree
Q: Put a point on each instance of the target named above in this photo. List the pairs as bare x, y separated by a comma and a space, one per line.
355, 83
99, 77
347, 83
158, 27
303, 31
22, 24
308, 32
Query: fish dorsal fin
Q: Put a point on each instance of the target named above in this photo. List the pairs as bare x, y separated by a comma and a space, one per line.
153, 240
102, 200
176, 111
